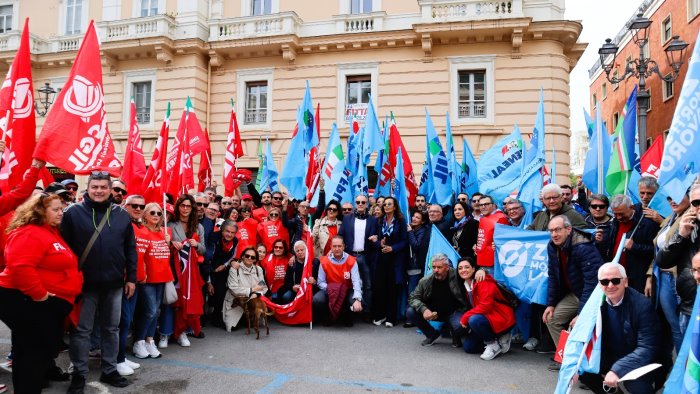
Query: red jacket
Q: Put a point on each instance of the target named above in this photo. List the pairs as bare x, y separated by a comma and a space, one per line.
40, 261
259, 214
247, 235
11, 200
270, 231
484, 242
488, 301
154, 256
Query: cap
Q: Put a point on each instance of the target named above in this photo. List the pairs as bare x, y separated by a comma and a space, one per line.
55, 188
67, 182
246, 197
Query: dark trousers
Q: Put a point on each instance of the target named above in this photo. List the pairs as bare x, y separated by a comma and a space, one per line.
385, 292
642, 385
417, 318
37, 329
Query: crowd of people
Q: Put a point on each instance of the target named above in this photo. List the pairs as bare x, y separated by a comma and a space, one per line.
107, 264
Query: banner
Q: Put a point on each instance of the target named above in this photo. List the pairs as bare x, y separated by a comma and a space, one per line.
499, 167
651, 161
522, 262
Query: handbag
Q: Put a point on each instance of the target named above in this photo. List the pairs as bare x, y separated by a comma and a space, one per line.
169, 293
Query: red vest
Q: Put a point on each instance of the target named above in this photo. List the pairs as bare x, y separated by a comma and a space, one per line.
269, 231
275, 270
484, 242
247, 235
336, 273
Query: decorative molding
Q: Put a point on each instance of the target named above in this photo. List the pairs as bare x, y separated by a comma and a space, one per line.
517, 42
289, 54
427, 45
164, 54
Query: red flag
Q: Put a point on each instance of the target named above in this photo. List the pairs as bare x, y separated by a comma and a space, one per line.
234, 150
134, 163
313, 174
204, 173
186, 172
46, 177
299, 310
75, 135
395, 143
17, 116
155, 182
651, 161
188, 126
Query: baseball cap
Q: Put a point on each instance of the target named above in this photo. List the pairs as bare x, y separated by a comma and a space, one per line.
67, 182
246, 197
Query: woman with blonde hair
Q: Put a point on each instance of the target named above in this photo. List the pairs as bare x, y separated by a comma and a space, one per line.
37, 290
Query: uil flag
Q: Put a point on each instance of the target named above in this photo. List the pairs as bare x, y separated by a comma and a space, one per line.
373, 140
500, 167
400, 186
307, 126
293, 174
155, 182
531, 175
452, 164
134, 163
75, 136
442, 182
17, 116
651, 161
598, 155
438, 244
623, 150
685, 375
204, 173
234, 150
269, 172
468, 183
521, 262
382, 188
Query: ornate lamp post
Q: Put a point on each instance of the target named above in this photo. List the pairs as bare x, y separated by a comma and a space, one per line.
642, 68
44, 99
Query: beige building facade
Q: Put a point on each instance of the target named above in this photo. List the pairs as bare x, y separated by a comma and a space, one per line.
484, 62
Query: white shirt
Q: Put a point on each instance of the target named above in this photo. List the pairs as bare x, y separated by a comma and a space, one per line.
360, 226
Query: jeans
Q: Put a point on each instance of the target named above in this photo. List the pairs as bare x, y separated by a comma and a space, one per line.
287, 297
150, 298
413, 282
127, 317
109, 303
480, 332
167, 320
366, 276
669, 301
683, 321
417, 318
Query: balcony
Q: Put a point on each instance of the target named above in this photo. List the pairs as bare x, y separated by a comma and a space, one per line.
10, 41
360, 23
284, 23
456, 11
63, 43
137, 28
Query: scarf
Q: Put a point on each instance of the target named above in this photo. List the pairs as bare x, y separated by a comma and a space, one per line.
387, 227
361, 216
459, 224
226, 246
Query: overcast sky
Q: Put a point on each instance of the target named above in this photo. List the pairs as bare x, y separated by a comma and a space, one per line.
601, 20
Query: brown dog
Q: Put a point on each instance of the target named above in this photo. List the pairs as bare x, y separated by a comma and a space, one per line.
256, 308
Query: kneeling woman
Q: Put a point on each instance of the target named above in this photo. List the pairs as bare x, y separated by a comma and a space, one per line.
490, 318
246, 281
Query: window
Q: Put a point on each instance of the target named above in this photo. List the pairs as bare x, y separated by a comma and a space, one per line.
142, 98
149, 7
74, 14
5, 18
261, 7
615, 76
360, 6
628, 62
616, 119
645, 49
649, 99
595, 101
356, 82
357, 91
256, 102
667, 89
604, 89
693, 8
666, 29
472, 94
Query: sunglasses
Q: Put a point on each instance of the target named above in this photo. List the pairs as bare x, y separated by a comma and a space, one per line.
226, 203
462, 199
120, 191
347, 209
277, 198
362, 202
156, 213
332, 209
278, 247
695, 203
137, 206
475, 201
188, 206
249, 256
597, 206
200, 204
614, 281
388, 204
274, 215
72, 188
99, 175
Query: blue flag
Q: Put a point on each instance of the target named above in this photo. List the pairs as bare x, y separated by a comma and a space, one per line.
293, 175
442, 183
307, 126
590, 125
680, 163
269, 171
521, 262
426, 179
372, 138
438, 244
400, 191
553, 168
469, 182
454, 167
531, 175
500, 167
383, 186
597, 157
685, 375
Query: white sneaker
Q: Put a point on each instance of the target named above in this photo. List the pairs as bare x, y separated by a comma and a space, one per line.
531, 344
163, 341
492, 350
152, 349
132, 364
504, 342
140, 349
379, 322
183, 341
71, 368
124, 369
389, 324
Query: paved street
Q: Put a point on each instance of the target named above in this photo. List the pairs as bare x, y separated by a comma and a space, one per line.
326, 359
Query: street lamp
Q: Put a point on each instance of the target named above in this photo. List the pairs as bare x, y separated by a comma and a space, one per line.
45, 98
642, 68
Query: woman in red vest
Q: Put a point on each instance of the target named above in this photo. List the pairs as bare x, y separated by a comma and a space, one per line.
37, 290
275, 266
272, 229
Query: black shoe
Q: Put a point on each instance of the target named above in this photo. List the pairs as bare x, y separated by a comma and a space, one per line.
456, 342
429, 341
198, 336
544, 350
56, 374
114, 379
77, 385
554, 367
408, 325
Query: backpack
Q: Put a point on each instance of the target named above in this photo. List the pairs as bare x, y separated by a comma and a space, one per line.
508, 295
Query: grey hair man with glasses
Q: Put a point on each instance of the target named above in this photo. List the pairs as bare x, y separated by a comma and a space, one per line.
554, 205
630, 336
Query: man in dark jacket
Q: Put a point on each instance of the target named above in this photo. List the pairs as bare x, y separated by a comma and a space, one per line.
438, 297
638, 252
630, 335
554, 205
436, 217
573, 274
111, 258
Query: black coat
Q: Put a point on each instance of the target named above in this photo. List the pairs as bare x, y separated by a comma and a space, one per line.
293, 275
679, 252
464, 244
216, 256
419, 240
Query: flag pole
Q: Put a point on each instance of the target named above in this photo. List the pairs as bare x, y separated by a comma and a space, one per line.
599, 147
165, 214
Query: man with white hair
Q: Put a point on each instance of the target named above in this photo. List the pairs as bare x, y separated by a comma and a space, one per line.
630, 335
554, 205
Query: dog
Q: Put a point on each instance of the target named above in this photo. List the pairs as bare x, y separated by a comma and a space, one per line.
254, 309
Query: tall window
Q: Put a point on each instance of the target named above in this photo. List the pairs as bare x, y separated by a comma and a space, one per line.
668, 89
142, 100
666, 29
595, 100
604, 89
358, 89
5, 18
262, 7
616, 119
360, 6
256, 102
615, 75
74, 12
149, 7
693, 8
645, 50
472, 94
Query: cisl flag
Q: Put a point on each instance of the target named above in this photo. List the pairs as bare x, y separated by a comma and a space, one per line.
17, 116
75, 136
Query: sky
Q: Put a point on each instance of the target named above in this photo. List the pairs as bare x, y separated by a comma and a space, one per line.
601, 20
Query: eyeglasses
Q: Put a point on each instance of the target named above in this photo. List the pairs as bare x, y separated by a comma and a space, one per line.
551, 198
120, 191
695, 203
200, 204
331, 209
347, 209
277, 198
156, 213
597, 206
555, 230
274, 215
614, 281
388, 204
365, 202
72, 188
188, 206
137, 206
303, 206
226, 203
249, 256
475, 201
485, 204
513, 209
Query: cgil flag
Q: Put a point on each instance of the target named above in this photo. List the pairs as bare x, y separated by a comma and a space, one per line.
134, 162
234, 150
75, 136
651, 161
204, 173
521, 262
156, 180
499, 168
395, 143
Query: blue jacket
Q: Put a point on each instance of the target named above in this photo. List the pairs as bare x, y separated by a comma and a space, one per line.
114, 253
582, 268
398, 257
347, 231
641, 333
